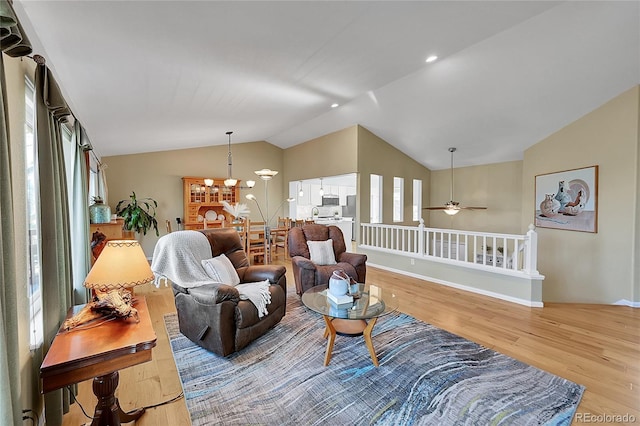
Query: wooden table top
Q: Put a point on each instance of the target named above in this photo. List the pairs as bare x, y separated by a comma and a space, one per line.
92, 350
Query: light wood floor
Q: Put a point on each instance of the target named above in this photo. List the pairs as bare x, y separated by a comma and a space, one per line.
597, 346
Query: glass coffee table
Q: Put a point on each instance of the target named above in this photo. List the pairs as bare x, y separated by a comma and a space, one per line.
352, 319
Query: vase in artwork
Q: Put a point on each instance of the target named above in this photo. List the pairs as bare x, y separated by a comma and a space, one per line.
99, 212
549, 207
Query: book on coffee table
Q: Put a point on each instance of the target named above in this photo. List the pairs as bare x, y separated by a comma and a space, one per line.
339, 300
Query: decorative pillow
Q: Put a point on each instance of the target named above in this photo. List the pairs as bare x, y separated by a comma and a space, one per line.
322, 252
221, 270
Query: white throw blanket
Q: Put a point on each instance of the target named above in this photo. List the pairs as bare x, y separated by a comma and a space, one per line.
178, 257
258, 293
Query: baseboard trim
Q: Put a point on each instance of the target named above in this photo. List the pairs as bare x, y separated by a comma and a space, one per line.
625, 302
528, 303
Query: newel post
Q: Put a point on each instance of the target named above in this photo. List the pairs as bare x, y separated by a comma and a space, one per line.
421, 237
531, 251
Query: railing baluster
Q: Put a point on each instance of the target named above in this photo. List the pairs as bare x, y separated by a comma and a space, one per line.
495, 250
484, 250
475, 249
504, 252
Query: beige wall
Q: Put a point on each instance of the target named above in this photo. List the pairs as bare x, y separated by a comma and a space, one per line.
495, 186
329, 155
158, 175
375, 156
15, 71
592, 267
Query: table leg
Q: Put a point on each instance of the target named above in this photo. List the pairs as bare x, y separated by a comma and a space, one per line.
108, 411
330, 332
369, 342
349, 328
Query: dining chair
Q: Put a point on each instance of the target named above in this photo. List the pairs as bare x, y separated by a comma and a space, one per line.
280, 238
256, 247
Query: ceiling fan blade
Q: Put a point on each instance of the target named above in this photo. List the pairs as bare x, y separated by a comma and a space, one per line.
459, 207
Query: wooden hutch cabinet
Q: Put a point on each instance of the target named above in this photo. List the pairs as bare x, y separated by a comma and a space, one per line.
203, 202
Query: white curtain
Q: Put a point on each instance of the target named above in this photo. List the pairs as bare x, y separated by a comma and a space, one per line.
79, 210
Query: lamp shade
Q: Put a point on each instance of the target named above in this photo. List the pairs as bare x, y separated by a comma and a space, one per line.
266, 174
121, 264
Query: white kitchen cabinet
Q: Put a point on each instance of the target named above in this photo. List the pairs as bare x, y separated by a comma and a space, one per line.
342, 193
314, 193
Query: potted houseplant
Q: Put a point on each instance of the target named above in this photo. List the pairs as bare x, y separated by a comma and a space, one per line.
139, 214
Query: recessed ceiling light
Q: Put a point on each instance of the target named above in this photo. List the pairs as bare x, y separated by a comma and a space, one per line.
335, 105
431, 58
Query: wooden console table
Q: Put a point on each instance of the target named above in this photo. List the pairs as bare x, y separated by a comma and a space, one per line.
98, 352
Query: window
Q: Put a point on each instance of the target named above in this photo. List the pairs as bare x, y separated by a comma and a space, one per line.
376, 199
417, 199
398, 199
69, 155
33, 219
93, 179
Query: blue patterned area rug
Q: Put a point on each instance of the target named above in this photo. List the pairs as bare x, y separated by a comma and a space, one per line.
427, 376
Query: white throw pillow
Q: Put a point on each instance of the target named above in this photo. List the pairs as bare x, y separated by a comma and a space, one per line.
221, 270
322, 252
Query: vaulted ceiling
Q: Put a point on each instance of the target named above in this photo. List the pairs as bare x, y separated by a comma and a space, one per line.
157, 75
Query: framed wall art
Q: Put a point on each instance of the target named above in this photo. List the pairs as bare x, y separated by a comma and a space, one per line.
568, 200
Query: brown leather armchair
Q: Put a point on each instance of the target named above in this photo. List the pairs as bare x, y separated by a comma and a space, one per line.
213, 316
306, 273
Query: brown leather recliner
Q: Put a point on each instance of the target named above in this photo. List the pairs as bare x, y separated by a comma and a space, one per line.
213, 316
306, 273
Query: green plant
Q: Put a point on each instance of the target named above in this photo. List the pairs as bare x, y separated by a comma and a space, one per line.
139, 214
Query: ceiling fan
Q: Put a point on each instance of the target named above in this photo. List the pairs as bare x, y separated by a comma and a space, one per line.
452, 207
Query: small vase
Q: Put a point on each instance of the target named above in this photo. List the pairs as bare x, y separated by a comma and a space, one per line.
99, 213
237, 224
338, 283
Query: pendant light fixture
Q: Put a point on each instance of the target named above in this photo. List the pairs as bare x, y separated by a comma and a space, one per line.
300, 191
321, 188
452, 207
229, 181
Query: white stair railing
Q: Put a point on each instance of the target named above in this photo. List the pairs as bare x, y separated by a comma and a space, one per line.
499, 252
